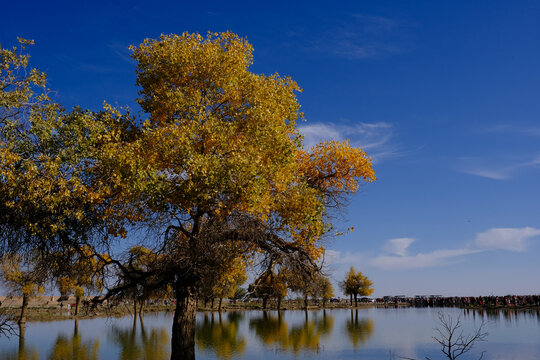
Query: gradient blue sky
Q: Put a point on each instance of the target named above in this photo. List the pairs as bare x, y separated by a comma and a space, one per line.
444, 95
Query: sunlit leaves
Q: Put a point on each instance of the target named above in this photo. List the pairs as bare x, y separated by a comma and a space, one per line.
356, 283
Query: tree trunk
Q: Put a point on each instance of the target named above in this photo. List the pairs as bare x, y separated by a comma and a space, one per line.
351, 299
135, 307
22, 317
305, 303
141, 306
220, 303
265, 302
77, 302
183, 330
355, 300
279, 303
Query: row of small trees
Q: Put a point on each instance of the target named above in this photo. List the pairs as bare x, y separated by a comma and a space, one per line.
27, 279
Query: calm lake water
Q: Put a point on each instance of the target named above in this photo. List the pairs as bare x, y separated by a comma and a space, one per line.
374, 333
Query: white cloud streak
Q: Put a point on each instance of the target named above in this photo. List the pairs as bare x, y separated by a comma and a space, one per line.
510, 239
398, 246
498, 172
420, 260
361, 37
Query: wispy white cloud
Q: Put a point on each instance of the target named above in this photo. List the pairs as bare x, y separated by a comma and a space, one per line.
374, 138
516, 129
357, 37
398, 246
511, 239
420, 260
337, 259
496, 171
121, 51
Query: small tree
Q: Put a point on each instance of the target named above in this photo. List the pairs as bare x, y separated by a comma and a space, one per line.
230, 280
84, 270
302, 284
23, 276
453, 341
269, 286
355, 284
324, 289
239, 294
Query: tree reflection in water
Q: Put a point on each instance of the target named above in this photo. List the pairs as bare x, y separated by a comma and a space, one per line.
66, 348
220, 336
359, 331
273, 330
153, 345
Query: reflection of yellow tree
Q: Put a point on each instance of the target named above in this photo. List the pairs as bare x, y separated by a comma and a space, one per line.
326, 324
221, 336
153, 345
269, 329
305, 336
359, 331
67, 349
274, 331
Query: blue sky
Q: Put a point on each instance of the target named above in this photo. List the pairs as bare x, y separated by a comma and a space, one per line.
444, 95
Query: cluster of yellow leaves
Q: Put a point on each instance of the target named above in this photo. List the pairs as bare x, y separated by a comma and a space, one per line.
232, 277
46, 153
86, 270
220, 139
24, 279
357, 283
335, 166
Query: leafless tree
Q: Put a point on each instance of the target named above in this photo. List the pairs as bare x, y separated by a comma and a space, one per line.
452, 339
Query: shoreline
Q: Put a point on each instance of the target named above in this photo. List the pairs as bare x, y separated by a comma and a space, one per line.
40, 311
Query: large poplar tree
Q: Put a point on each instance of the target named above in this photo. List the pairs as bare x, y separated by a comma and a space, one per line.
219, 168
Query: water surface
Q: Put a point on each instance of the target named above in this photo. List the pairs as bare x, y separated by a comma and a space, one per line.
375, 333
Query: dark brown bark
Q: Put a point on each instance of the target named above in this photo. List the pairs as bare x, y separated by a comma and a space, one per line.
220, 303
183, 330
279, 303
22, 317
351, 298
355, 300
77, 302
265, 302
305, 303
